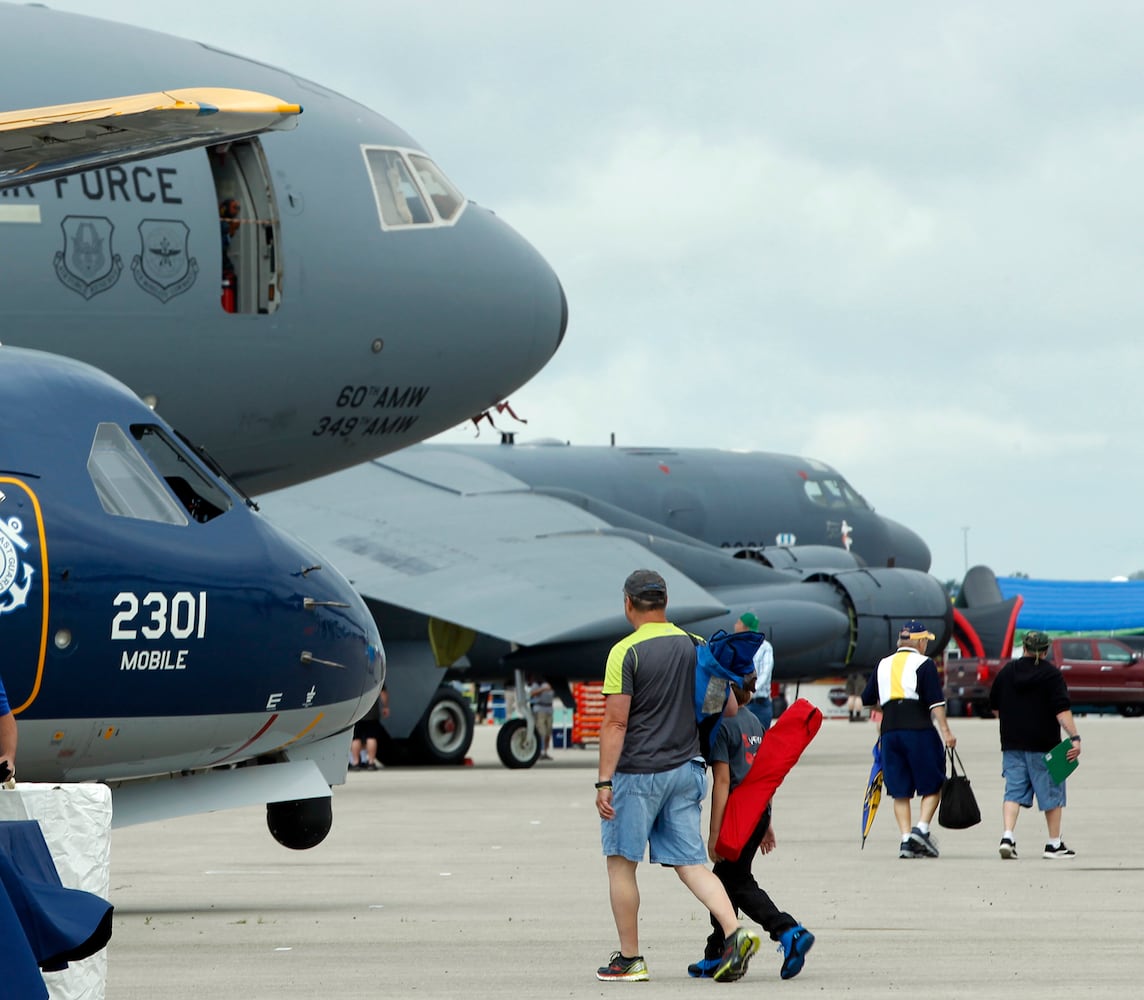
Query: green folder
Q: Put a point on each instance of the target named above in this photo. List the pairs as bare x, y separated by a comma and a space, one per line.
1060, 767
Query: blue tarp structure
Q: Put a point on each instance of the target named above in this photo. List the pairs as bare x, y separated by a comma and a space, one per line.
1077, 605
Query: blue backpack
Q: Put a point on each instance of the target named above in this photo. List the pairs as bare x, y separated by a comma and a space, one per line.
727, 657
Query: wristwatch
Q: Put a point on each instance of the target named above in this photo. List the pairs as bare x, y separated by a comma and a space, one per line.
1075, 739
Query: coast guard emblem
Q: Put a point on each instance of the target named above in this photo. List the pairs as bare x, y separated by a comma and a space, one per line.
15, 575
86, 264
164, 267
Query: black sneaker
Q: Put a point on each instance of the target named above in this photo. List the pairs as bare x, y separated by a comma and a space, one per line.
794, 943
704, 968
1058, 852
736, 954
620, 969
908, 849
927, 842
1008, 848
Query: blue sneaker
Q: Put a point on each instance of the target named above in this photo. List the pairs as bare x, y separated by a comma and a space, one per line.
704, 968
926, 841
794, 943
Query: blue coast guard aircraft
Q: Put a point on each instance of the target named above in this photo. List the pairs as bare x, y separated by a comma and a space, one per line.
509, 559
347, 301
155, 626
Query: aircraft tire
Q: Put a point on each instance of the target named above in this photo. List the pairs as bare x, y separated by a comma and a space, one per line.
1133, 710
302, 823
394, 753
517, 747
445, 732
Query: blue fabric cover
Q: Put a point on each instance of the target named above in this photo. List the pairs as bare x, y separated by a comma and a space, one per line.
43, 924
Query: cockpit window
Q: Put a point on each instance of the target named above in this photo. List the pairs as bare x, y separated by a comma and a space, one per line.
203, 499
410, 190
125, 483
834, 493
446, 198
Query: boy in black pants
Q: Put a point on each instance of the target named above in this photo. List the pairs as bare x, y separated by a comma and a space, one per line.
739, 738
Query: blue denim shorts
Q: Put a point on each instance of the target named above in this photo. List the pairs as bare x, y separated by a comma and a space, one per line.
660, 811
913, 762
1026, 773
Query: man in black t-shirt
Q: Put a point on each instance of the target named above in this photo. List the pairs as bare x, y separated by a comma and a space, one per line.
1031, 700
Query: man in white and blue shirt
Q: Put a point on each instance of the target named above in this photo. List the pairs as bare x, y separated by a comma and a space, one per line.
907, 687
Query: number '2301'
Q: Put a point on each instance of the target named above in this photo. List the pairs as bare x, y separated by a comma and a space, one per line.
180, 616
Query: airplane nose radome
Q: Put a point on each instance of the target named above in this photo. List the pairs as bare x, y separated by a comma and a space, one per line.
907, 549
515, 298
563, 314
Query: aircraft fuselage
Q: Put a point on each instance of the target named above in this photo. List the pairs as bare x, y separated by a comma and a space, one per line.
359, 305
731, 499
152, 621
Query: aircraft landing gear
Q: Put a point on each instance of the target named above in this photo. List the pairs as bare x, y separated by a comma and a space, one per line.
445, 732
517, 745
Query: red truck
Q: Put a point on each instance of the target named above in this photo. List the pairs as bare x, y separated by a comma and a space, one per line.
1099, 673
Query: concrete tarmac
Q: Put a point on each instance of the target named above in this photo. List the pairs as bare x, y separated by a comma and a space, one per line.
484, 882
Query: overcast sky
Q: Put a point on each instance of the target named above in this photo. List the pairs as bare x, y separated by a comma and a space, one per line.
903, 238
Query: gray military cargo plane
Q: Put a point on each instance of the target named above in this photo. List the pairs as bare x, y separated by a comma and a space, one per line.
296, 306
509, 559
351, 302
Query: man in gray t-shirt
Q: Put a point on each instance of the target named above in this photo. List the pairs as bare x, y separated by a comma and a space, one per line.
652, 780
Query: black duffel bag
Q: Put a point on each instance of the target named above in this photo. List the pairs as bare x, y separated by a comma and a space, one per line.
958, 809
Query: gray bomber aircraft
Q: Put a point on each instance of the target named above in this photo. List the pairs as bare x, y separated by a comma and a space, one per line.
352, 302
500, 560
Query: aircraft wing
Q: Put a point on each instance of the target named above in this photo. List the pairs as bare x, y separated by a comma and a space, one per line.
454, 538
42, 143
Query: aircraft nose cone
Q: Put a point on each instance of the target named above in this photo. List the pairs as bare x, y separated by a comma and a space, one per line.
906, 548
515, 301
330, 633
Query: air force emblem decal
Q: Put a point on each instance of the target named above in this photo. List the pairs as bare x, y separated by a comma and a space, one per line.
86, 264
164, 267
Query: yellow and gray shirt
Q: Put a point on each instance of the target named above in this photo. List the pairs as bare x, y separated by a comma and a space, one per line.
656, 666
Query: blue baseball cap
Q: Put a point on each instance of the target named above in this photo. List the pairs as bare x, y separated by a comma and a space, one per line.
914, 629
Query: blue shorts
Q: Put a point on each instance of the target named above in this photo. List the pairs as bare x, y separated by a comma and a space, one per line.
913, 762
657, 810
1026, 773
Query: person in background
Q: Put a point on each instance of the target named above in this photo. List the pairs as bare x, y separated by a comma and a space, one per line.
907, 687
652, 779
855, 684
367, 731
541, 699
1031, 700
484, 689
